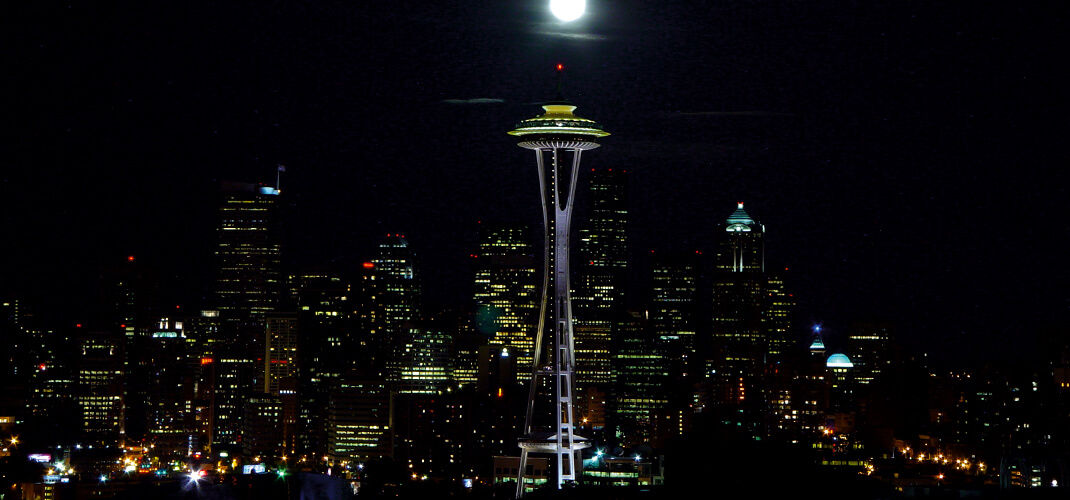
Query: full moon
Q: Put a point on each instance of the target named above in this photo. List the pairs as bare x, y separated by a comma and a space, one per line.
568, 10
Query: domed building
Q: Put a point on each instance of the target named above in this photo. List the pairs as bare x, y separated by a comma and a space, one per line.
839, 363
841, 378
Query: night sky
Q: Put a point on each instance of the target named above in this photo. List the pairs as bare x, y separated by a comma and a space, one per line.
908, 158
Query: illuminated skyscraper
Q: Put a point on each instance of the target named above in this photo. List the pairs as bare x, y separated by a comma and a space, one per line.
248, 287
750, 319
99, 386
170, 401
425, 361
128, 302
869, 347
394, 292
506, 291
280, 351
249, 283
672, 310
358, 420
602, 277
642, 378
558, 138
326, 349
604, 241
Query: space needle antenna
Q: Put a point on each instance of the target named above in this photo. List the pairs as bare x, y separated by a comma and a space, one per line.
560, 73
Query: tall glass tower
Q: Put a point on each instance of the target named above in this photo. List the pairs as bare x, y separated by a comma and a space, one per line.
558, 138
749, 322
599, 295
396, 291
506, 291
248, 287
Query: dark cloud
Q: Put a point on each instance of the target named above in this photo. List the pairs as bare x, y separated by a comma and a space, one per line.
474, 100
730, 113
591, 37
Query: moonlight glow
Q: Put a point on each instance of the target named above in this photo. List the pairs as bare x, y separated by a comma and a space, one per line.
568, 10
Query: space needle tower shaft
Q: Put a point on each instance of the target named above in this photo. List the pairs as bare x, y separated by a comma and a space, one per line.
558, 138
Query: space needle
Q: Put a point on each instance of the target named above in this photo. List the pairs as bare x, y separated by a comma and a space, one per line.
558, 138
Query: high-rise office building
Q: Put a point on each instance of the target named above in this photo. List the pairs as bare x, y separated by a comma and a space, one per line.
280, 350
394, 295
128, 301
281, 369
39, 376
171, 402
558, 138
249, 283
604, 242
262, 433
248, 287
601, 281
750, 316
99, 386
203, 343
736, 354
506, 291
327, 349
869, 348
777, 316
232, 374
359, 420
673, 307
640, 389
425, 360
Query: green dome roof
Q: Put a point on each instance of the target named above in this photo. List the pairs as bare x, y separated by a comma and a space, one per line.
839, 361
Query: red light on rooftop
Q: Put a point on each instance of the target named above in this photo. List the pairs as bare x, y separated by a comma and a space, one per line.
560, 66
368, 265
122, 326
130, 258
77, 325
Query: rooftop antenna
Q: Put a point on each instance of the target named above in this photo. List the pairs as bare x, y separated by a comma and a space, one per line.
278, 176
560, 71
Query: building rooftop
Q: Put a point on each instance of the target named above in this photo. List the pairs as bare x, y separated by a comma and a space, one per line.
839, 360
739, 220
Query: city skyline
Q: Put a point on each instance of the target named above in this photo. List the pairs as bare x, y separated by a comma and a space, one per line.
288, 250
886, 147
